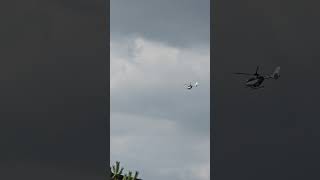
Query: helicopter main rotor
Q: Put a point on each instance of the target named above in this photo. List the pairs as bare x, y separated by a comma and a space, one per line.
249, 74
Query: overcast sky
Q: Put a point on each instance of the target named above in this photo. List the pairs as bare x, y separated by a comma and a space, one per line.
158, 127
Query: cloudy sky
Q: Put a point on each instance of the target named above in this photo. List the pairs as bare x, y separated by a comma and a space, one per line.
158, 127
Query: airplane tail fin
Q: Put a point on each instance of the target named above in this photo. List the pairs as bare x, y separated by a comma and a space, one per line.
276, 73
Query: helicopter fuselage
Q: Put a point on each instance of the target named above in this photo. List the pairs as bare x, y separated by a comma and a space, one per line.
255, 82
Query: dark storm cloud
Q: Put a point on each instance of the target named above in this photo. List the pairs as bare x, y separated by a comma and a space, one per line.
271, 133
53, 89
173, 21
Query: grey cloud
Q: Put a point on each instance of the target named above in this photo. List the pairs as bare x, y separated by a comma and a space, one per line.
157, 126
177, 22
159, 90
190, 111
157, 149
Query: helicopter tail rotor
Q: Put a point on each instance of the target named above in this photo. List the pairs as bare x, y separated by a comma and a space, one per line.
276, 73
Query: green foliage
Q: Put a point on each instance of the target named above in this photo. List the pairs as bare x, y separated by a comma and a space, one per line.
116, 173
130, 177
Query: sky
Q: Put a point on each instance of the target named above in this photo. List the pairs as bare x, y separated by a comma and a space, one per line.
157, 127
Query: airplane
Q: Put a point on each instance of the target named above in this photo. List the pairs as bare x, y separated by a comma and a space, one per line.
256, 81
190, 86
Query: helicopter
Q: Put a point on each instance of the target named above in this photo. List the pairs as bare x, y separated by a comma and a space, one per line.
190, 86
256, 81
